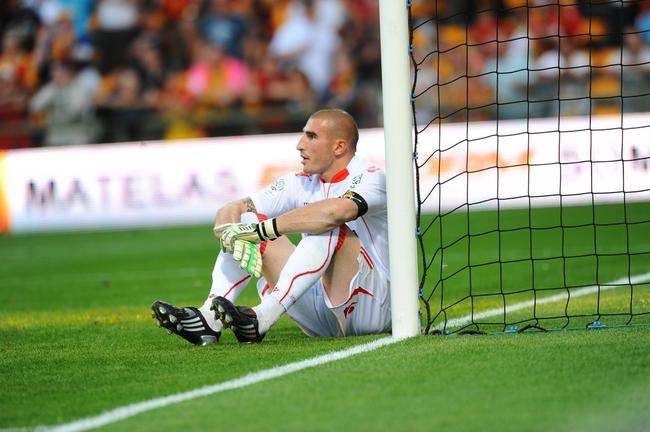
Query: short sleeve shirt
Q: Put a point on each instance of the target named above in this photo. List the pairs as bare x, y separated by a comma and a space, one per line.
295, 190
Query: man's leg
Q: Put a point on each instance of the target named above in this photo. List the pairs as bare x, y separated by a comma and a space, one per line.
198, 325
351, 298
330, 256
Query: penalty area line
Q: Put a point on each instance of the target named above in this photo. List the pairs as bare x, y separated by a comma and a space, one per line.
131, 410
618, 283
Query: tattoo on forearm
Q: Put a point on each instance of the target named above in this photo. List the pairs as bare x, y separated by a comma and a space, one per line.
249, 205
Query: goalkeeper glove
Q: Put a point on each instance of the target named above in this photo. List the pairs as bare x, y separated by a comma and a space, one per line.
251, 232
249, 257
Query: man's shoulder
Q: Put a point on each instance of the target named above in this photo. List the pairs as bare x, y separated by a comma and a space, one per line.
366, 171
359, 165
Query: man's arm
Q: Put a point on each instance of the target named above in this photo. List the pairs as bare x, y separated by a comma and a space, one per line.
231, 212
316, 218
319, 217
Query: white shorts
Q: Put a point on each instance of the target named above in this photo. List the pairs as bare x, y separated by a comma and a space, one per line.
366, 311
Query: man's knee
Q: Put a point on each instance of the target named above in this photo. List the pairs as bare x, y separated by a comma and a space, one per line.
275, 256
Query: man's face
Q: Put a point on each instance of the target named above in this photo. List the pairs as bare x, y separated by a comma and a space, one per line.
316, 147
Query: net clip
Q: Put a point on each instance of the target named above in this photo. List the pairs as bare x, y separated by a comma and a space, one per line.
512, 329
596, 325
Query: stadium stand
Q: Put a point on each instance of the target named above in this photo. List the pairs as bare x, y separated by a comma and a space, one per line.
164, 69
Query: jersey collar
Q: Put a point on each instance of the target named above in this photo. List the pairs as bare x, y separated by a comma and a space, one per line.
338, 177
344, 173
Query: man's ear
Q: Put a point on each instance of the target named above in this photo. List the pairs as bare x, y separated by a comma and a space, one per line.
340, 147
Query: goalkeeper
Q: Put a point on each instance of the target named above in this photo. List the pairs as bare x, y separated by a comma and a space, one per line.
334, 282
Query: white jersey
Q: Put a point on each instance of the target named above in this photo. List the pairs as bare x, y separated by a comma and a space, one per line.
296, 190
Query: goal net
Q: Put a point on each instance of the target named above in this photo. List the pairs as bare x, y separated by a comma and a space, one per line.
532, 126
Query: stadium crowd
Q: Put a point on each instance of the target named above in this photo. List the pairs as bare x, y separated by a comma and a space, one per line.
95, 71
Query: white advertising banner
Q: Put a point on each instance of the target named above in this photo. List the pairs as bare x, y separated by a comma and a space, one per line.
162, 183
542, 162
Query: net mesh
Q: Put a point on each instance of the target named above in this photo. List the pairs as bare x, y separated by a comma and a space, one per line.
531, 154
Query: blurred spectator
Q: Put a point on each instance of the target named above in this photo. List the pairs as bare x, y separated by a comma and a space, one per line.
13, 109
559, 78
87, 77
506, 71
643, 22
47, 10
627, 67
20, 20
147, 60
344, 86
114, 26
16, 65
121, 107
79, 12
190, 68
308, 42
221, 26
65, 109
214, 79
174, 105
54, 43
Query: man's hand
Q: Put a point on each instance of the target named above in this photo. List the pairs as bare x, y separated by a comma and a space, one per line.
218, 233
250, 232
249, 257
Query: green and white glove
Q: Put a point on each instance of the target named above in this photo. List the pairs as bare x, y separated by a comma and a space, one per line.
218, 232
250, 232
249, 257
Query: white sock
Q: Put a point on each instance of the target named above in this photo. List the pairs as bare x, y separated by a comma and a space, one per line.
228, 280
268, 313
214, 324
305, 267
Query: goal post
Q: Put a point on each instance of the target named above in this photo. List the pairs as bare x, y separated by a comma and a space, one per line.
400, 185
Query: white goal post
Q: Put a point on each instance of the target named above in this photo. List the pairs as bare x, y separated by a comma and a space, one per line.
400, 183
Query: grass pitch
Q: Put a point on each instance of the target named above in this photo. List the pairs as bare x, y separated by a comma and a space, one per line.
77, 339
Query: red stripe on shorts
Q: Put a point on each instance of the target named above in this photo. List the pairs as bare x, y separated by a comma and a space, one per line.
366, 256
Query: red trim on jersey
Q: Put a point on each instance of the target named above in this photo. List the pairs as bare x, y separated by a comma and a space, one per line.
358, 290
348, 310
339, 176
372, 241
364, 253
265, 289
302, 174
329, 248
236, 284
343, 230
262, 217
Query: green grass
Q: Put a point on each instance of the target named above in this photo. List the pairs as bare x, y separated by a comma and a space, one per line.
77, 339
486, 260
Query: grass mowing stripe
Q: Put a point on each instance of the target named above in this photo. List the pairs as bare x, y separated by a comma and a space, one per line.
129, 275
131, 410
121, 315
467, 319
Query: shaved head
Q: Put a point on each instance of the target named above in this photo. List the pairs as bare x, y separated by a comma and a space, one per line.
340, 125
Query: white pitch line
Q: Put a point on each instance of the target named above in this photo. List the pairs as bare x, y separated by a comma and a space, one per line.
467, 319
131, 410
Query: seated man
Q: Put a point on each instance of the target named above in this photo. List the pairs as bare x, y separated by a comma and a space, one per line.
334, 282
